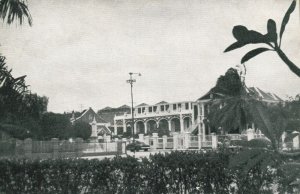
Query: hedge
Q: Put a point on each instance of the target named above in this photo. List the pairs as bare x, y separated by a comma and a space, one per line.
175, 172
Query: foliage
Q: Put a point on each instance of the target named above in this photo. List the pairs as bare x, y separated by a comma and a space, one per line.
175, 172
55, 126
229, 84
234, 110
11, 10
20, 110
293, 113
127, 134
245, 37
229, 112
82, 130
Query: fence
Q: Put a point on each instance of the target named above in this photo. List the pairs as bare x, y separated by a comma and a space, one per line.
188, 141
170, 143
194, 142
58, 149
159, 143
182, 141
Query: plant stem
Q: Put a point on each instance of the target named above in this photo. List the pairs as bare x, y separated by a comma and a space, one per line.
289, 63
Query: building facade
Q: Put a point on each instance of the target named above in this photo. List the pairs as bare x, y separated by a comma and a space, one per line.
171, 117
89, 116
181, 117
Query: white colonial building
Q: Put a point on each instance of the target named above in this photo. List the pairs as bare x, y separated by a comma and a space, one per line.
179, 117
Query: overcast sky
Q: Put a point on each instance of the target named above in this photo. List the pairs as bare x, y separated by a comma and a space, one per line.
80, 52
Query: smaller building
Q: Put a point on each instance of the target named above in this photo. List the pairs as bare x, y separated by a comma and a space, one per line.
90, 116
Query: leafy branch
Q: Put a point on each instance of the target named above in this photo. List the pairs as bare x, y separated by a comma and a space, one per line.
11, 10
245, 37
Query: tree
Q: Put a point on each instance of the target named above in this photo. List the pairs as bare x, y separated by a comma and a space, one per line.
18, 106
11, 10
229, 112
55, 125
82, 130
271, 39
235, 109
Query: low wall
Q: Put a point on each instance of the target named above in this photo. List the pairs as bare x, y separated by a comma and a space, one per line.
58, 149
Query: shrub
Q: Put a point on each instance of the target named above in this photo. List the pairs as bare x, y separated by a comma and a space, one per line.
175, 172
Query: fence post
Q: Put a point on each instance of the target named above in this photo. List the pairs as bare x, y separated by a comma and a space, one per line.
250, 134
55, 143
296, 140
155, 140
187, 140
141, 137
78, 144
108, 138
119, 147
28, 147
175, 140
214, 141
284, 147
165, 140
199, 142
147, 141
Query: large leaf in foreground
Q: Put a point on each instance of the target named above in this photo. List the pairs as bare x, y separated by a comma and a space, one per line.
244, 37
272, 33
253, 53
286, 17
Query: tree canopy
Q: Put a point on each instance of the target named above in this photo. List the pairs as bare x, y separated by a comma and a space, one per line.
15, 10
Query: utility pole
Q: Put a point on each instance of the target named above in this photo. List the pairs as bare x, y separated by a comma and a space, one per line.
131, 81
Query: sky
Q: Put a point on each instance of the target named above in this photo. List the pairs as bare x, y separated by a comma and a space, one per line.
79, 53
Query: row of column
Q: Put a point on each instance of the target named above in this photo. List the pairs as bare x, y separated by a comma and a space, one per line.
200, 118
181, 120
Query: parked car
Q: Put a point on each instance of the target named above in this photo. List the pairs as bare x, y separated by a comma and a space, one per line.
137, 145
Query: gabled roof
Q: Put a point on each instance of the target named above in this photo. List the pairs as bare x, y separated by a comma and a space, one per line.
107, 108
208, 95
162, 102
124, 106
101, 130
253, 91
260, 94
143, 104
97, 117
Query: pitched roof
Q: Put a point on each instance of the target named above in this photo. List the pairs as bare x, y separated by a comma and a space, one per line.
254, 91
124, 106
143, 104
207, 95
98, 118
161, 102
101, 130
260, 94
107, 108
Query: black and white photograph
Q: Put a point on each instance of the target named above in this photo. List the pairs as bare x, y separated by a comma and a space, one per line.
149, 96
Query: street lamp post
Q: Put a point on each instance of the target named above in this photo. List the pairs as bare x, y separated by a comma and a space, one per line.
131, 81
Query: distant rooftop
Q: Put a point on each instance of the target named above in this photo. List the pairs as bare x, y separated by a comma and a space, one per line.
142, 104
162, 102
253, 91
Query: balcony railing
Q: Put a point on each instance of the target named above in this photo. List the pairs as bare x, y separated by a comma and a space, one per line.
151, 114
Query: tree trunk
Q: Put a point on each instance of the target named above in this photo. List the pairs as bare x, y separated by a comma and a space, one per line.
289, 63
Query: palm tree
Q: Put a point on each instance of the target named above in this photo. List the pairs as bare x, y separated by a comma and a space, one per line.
237, 107
234, 109
14, 10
